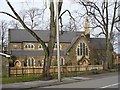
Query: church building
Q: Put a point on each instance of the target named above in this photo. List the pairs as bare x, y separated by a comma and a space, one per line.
76, 48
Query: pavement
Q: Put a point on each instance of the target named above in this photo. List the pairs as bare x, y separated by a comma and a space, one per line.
40, 83
95, 84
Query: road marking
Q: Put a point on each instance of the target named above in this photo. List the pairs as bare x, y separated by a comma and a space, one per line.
110, 85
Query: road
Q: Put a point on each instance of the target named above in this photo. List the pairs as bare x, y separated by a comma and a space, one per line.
99, 83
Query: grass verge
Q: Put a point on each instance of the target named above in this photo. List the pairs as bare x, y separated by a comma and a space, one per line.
6, 80
27, 78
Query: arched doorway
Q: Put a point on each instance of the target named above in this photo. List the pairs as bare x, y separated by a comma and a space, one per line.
83, 62
17, 63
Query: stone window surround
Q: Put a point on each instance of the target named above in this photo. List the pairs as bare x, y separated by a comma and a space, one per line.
40, 47
79, 48
62, 61
55, 47
30, 61
29, 46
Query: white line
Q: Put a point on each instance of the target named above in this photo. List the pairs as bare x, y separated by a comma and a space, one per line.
110, 85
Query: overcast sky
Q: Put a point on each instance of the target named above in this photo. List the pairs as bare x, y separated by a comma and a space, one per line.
27, 4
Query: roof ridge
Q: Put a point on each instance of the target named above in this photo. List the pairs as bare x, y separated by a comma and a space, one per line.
44, 30
24, 29
97, 38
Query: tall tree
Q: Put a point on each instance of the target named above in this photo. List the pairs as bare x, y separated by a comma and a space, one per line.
3, 32
32, 17
48, 50
14, 24
103, 15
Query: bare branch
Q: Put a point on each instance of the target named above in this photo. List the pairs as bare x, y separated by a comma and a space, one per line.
97, 35
118, 29
28, 29
60, 17
9, 15
69, 14
113, 20
60, 6
3, 31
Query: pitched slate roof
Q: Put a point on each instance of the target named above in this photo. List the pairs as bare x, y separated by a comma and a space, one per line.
33, 53
98, 43
20, 35
95, 43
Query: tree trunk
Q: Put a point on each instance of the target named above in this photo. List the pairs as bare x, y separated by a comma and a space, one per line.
2, 45
52, 38
46, 68
105, 64
108, 62
47, 50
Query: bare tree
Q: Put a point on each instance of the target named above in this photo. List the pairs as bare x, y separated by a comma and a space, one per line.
32, 17
48, 50
14, 24
70, 26
102, 18
3, 32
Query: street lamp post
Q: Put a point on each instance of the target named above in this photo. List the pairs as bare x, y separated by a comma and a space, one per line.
58, 42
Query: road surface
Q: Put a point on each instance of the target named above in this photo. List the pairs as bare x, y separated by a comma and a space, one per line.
99, 83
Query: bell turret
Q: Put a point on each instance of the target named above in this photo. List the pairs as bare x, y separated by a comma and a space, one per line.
87, 27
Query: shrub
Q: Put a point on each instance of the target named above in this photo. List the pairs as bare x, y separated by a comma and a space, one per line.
94, 71
113, 70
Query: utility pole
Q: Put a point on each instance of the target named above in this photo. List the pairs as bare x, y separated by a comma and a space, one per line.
58, 41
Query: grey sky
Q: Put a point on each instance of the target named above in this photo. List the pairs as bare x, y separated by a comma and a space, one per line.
27, 4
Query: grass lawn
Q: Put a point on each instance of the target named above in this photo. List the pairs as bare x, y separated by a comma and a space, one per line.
15, 79
6, 80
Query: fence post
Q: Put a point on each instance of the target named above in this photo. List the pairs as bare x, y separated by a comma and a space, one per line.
64, 69
16, 71
33, 69
9, 72
22, 72
54, 69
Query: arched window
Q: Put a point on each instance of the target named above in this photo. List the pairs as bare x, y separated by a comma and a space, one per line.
29, 46
55, 47
40, 47
28, 62
86, 51
62, 61
31, 62
82, 50
78, 51
26, 46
